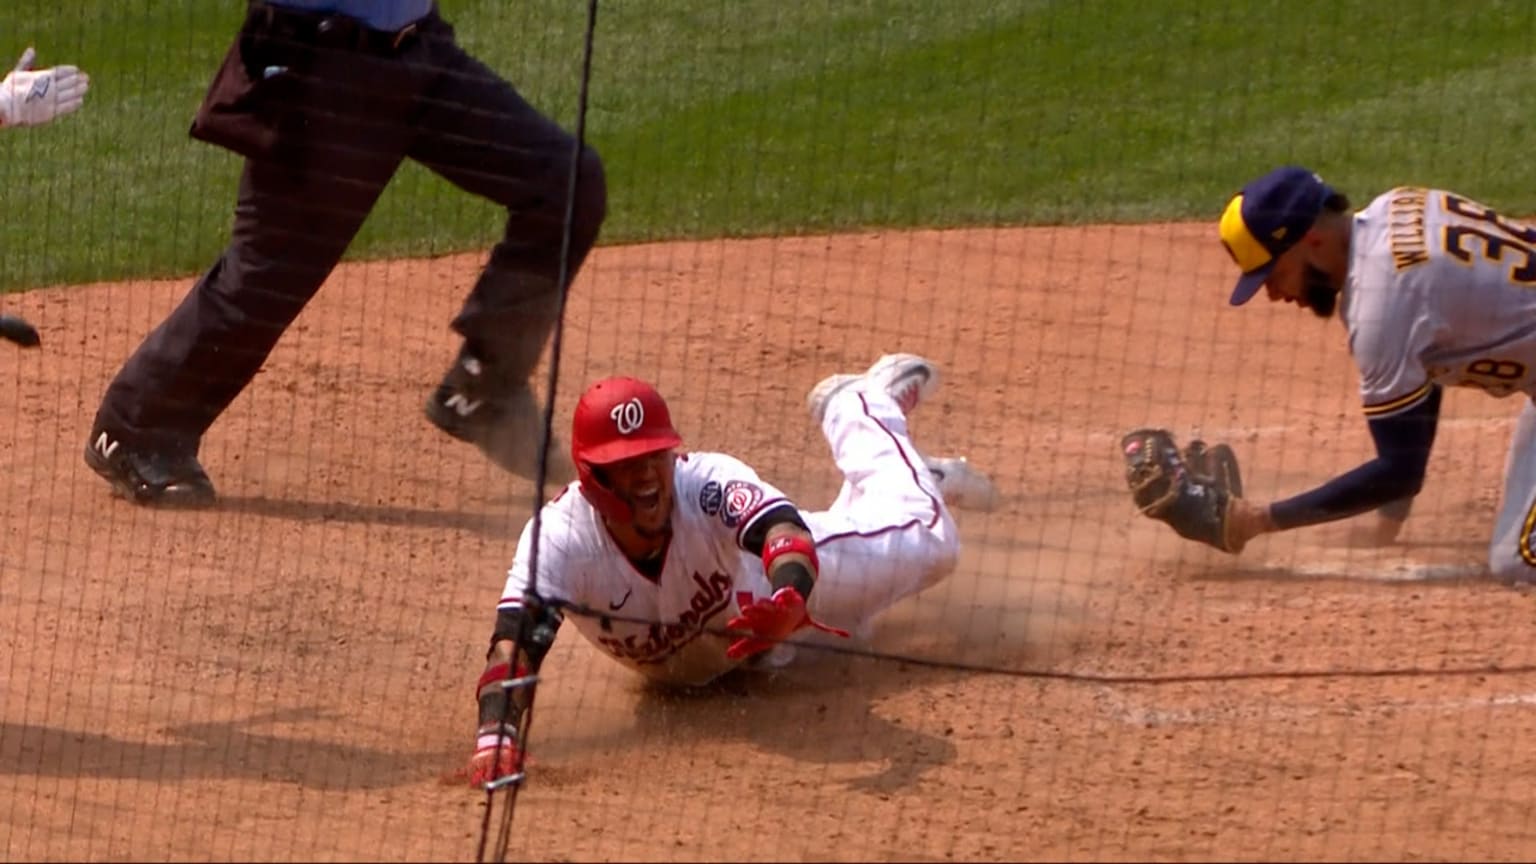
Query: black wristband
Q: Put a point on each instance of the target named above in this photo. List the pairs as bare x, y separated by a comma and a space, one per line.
756, 535
793, 574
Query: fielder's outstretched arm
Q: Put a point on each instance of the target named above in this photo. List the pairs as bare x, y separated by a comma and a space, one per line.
1403, 444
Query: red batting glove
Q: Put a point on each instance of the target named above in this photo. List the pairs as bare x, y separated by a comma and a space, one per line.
770, 621
491, 762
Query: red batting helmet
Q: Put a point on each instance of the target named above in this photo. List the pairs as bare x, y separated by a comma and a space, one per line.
617, 418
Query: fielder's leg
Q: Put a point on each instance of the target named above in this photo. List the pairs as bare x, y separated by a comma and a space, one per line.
889, 534
1512, 552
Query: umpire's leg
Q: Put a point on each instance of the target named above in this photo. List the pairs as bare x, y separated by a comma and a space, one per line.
295, 215
481, 135
283, 246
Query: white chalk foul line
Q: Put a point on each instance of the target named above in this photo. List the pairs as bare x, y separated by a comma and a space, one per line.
1235, 433
1402, 572
1118, 708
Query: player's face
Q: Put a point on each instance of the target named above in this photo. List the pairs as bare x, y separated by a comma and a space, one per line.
1298, 279
645, 484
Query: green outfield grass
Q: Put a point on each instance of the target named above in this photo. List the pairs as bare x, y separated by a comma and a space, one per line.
733, 117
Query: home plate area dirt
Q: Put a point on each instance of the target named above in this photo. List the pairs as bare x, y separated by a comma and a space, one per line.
290, 675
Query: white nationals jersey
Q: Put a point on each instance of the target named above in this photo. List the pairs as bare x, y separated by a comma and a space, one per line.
1441, 290
656, 626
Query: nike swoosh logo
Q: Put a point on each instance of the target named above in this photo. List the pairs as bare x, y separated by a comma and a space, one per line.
614, 607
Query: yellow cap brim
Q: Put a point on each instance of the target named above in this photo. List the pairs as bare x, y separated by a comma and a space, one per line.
1246, 250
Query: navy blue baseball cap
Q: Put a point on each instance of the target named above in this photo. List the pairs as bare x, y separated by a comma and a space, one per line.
1266, 219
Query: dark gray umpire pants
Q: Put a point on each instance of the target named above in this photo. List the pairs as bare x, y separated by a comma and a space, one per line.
324, 111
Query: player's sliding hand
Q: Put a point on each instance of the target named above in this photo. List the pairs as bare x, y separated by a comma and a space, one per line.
771, 620
496, 754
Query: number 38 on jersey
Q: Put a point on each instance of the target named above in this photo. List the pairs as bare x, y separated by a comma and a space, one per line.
1452, 301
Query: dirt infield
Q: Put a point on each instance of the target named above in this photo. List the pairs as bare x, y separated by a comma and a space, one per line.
289, 677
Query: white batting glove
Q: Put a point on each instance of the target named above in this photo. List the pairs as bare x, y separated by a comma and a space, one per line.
32, 98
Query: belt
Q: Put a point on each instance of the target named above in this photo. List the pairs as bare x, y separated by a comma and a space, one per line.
332, 31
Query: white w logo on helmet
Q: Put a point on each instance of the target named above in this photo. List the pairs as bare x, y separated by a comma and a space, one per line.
628, 416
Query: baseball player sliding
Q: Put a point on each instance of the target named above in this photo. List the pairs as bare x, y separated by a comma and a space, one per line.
683, 566
1435, 290
31, 97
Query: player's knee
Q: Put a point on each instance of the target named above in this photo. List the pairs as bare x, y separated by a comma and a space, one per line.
1507, 565
941, 555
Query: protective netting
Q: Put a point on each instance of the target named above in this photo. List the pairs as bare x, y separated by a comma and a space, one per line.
1024, 194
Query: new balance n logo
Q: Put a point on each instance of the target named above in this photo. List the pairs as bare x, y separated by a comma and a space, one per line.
461, 405
105, 446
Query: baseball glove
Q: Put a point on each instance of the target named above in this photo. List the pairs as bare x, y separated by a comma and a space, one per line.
1191, 490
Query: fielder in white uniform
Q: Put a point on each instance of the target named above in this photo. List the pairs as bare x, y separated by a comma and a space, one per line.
1435, 290
683, 566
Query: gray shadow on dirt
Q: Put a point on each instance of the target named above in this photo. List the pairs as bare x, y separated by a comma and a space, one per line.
215, 750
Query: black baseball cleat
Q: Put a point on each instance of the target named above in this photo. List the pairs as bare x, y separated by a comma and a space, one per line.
505, 429
19, 331
150, 478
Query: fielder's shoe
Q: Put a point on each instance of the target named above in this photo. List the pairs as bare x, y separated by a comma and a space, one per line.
506, 429
150, 478
908, 378
962, 486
